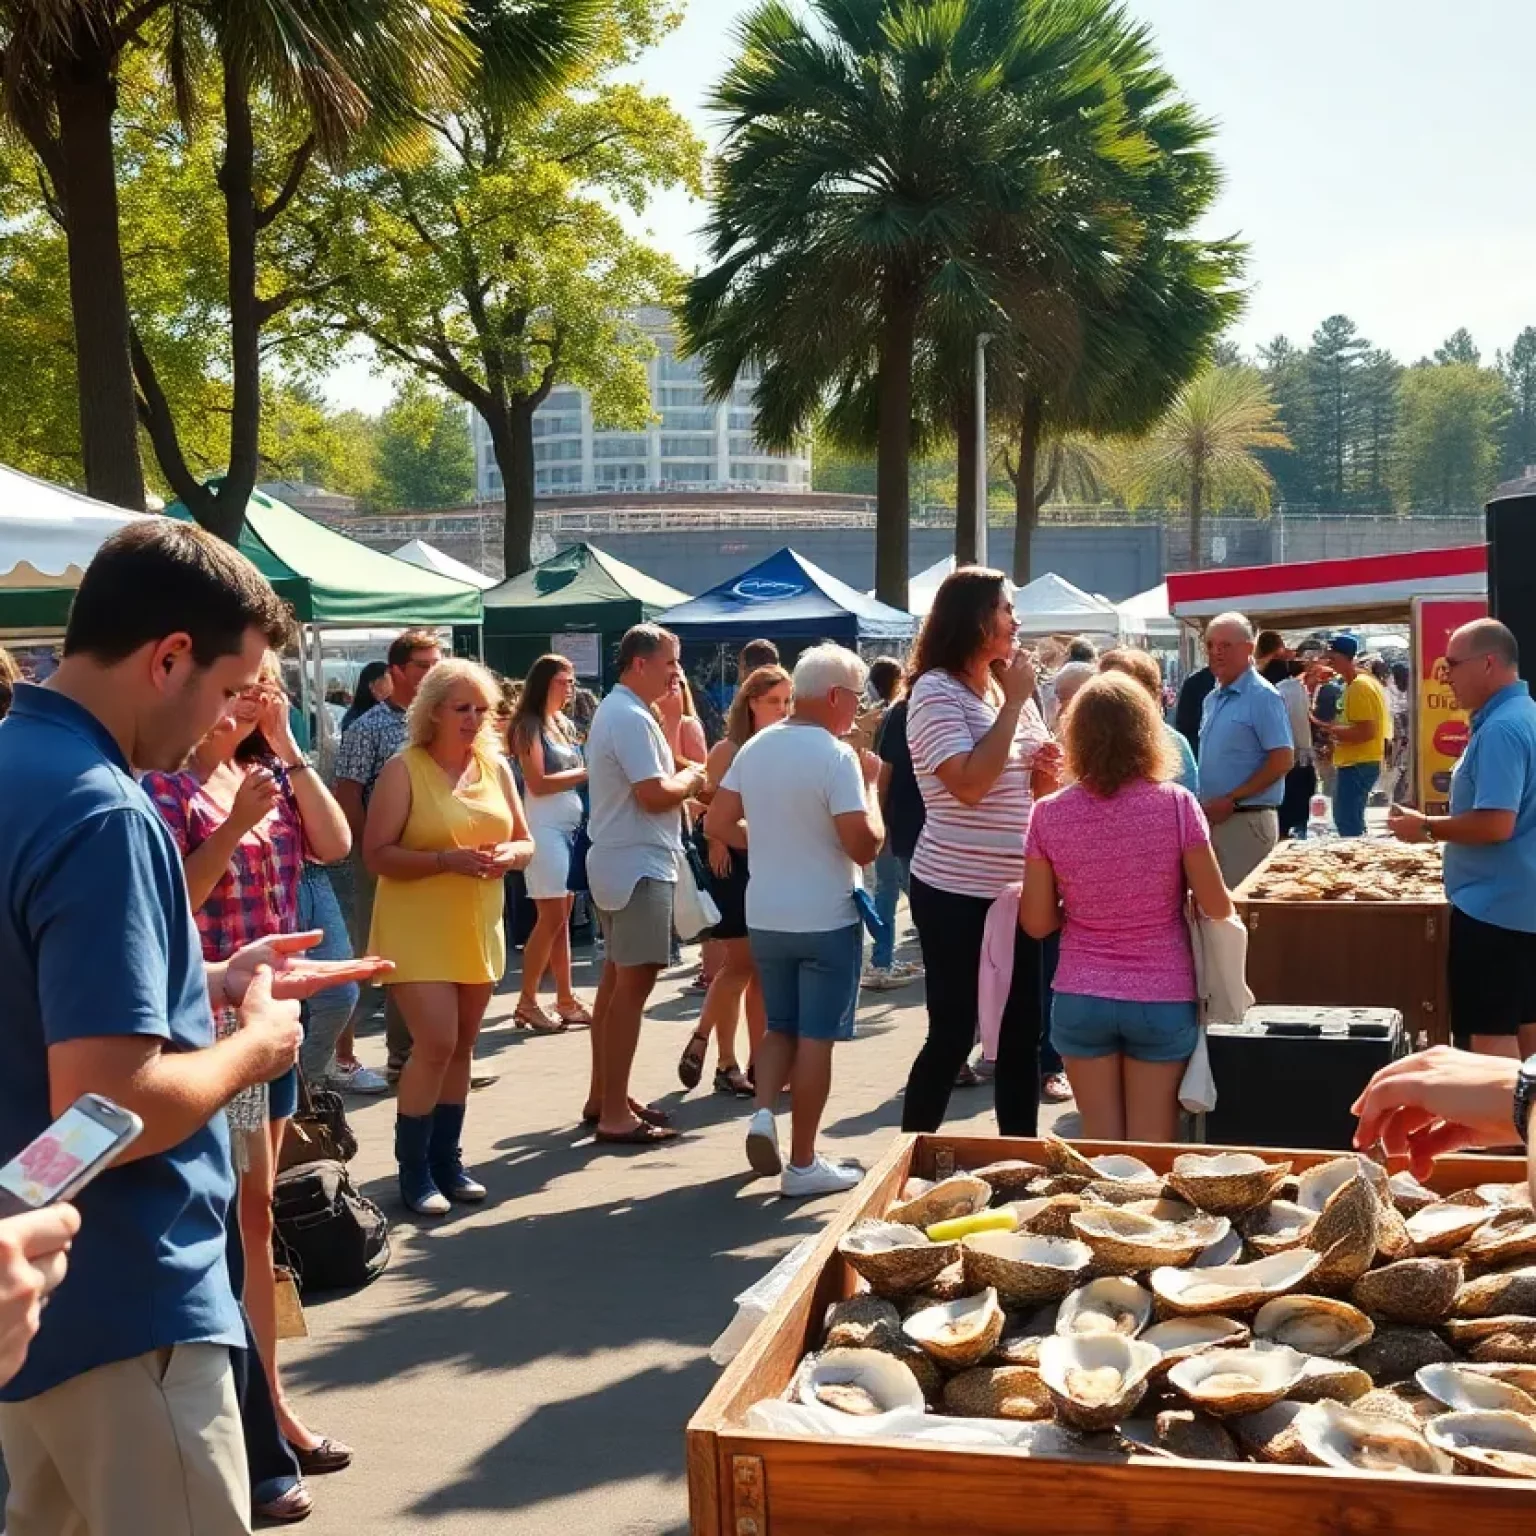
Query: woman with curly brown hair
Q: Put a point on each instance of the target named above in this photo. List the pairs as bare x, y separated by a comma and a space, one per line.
1123, 1013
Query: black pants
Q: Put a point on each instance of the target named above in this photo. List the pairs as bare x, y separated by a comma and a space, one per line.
950, 929
1296, 807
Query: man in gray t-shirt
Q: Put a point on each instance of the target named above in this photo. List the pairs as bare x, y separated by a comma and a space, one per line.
636, 789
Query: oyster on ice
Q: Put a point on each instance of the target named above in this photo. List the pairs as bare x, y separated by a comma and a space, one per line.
1336, 1436
1229, 1382
1095, 1380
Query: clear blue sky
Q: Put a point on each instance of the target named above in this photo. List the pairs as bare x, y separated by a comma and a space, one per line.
1376, 155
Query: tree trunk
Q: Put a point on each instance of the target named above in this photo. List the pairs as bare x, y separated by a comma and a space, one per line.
237, 182
892, 496
966, 527
1196, 513
1026, 494
86, 98
512, 441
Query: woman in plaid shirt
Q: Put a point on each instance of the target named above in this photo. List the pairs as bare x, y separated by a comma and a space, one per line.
246, 813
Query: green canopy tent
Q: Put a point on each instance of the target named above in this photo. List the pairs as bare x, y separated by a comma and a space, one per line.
579, 602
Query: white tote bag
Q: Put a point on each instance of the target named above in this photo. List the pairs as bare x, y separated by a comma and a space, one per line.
1221, 991
693, 909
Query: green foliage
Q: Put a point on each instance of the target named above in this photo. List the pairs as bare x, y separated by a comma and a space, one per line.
1451, 418
1458, 347
1518, 366
424, 454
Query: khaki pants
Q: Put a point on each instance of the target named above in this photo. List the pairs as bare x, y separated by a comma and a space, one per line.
1243, 842
148, 1445
396, 1035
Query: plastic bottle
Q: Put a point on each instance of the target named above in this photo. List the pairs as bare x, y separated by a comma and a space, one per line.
1320, 826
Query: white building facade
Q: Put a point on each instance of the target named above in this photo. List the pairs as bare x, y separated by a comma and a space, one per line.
691, 445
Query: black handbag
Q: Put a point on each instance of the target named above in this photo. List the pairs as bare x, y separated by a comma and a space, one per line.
318, 1131
329, 1235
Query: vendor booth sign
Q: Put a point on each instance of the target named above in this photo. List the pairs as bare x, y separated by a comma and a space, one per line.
1440, 728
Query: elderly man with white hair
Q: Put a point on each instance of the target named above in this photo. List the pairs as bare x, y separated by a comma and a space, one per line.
1245, 752
812, 805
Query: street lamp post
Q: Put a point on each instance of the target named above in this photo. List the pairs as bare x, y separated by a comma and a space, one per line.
981, 446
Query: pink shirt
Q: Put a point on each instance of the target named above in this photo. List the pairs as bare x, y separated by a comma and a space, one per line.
1119, 866
971, 850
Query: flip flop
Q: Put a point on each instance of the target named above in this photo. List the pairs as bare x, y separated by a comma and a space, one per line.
642, 1135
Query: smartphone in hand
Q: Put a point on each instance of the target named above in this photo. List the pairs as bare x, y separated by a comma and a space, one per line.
57, 1165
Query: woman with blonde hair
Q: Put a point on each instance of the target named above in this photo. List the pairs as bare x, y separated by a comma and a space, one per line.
1123, 1015
554, 776
761, 701
445, 825
1144, 668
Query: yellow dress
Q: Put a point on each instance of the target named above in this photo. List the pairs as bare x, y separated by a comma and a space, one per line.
446, 927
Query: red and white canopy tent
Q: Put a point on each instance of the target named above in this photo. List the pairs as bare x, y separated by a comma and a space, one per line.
1315, 594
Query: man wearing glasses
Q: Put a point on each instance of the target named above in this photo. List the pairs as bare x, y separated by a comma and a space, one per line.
1490, 845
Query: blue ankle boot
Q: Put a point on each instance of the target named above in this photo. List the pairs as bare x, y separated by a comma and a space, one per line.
413, 1137
447, 1163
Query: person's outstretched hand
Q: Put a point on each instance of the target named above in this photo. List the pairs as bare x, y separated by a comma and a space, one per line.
296, 978
1436, 1102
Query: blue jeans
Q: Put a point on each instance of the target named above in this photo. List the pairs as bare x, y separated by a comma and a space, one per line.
325, 1015
1087, 1027
810, 981
890, 882
1351, 795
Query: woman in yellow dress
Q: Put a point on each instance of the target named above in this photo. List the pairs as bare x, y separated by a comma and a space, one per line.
444, 826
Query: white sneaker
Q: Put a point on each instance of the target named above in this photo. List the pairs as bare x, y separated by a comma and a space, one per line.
356, 1078
821, 1178
763, 1144
908, 970
879, 978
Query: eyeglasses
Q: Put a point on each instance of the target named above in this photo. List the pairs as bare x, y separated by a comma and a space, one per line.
1451, 663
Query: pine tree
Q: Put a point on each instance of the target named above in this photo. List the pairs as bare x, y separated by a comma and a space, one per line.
1458, 347
1518, 367
1334, 361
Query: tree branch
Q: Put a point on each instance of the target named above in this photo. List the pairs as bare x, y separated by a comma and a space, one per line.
289, 189
158, 422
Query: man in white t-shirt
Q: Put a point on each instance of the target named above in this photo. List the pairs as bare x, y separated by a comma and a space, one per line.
806, 805
636, 789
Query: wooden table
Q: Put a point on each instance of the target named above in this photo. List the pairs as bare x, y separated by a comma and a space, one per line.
751, 1484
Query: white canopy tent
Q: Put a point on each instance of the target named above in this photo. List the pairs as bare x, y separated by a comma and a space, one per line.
924, 587
1147, 614
428, 557
1051, 605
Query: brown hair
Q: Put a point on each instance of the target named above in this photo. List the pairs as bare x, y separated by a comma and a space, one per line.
959, 622
403, 647
157, 577
738, 722
643, 640
1113, 736
10, 675
1137, 664
755, 654
528, 718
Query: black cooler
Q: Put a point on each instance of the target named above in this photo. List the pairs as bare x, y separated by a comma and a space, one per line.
1286, 1076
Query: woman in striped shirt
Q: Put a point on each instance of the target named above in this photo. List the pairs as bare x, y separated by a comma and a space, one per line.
976, 737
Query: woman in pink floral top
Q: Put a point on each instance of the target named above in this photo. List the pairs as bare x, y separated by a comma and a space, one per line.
1110, 861
246, 813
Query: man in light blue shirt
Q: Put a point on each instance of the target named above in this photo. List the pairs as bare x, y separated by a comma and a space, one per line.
1490, 845
1245, 752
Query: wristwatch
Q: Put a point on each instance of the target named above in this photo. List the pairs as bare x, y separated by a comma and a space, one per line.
1430, 835
1525, 1093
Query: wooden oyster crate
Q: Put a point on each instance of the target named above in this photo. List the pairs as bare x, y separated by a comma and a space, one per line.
748, 1484
1351, 954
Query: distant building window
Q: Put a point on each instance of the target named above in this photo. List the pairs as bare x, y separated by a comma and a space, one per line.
563, 448
701, 445
493, 480
775, 473
556, 424
694, 420
681, 369
620, 445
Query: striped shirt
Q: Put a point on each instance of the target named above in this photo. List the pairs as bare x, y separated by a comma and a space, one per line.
970, 850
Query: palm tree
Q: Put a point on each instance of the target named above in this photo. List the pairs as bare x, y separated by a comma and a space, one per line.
1205, 449
892, 171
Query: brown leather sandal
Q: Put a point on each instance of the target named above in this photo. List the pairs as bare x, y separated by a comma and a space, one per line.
690, 1067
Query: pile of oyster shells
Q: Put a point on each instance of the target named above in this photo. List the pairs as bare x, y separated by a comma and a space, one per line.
1354, 869
1227, 1312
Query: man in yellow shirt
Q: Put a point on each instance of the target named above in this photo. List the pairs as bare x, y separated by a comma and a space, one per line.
1360, 735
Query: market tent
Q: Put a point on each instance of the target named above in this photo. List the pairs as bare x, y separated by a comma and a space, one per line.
786, 597
330, 579
1051, 605
924, 587
428, 557
1147, 614
48, 535
580, 600
1313, 594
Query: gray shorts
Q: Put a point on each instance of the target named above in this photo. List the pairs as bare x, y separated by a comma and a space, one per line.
640, 932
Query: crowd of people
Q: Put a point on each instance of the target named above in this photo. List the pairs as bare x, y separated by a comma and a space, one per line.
171, 938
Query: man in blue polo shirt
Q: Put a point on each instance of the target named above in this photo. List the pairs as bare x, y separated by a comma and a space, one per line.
1490, 846
1245, 752
123, 1420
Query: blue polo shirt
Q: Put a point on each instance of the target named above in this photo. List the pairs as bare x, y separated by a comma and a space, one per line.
1497, 884
97, 938
1240, 725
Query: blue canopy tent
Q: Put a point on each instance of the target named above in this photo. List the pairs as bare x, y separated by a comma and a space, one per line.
786, 598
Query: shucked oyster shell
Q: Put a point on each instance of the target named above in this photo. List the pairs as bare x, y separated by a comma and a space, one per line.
1342, 1437
1316, 1325
1445, 1226
1512, 1292
895, 1259
1464, 1390
1062, 1157
1226, 1183
998, 1392
1232, 1288
1229, 1382
961, 1195
1113, 1304
858, 1381
1498, 1443
958, 1333
1347, 1227
1127, 1242
1098, 1380
1024, 1268
1421, 1291
1180, 1338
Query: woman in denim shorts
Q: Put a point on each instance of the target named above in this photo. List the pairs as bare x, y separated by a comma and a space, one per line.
1111, 861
